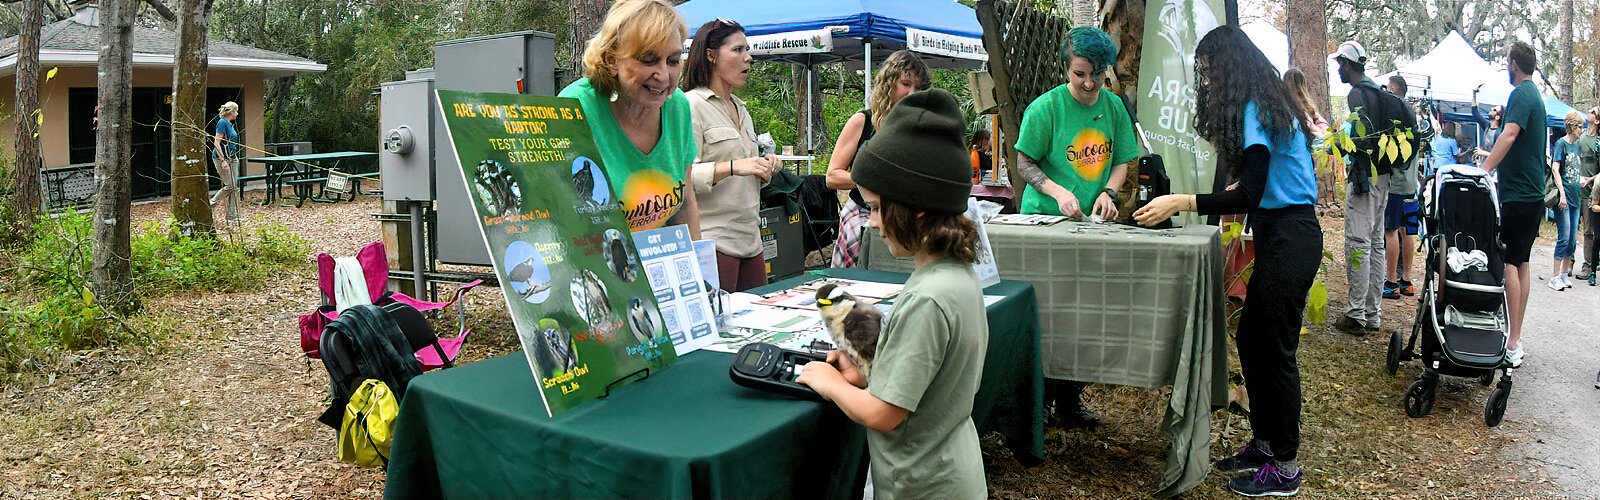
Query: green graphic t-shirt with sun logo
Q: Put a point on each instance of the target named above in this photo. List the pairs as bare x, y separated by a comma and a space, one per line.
649, 185
1077, 146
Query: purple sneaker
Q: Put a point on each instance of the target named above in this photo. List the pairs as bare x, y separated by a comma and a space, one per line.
1250, 458
1268, 482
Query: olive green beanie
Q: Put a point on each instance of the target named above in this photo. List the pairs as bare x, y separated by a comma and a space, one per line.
918, 156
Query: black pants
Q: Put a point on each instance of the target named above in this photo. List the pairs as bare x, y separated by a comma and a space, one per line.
1288, 251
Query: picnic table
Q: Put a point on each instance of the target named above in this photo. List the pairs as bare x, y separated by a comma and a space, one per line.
308, 174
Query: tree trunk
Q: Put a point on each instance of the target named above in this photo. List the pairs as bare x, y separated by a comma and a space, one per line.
1568, 43
111, 277
283, 89
25, 194
1009, 114
191, 184
586, 17
1307, 28
1125, 23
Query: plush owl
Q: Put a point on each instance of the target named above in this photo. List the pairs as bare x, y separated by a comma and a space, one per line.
853, 324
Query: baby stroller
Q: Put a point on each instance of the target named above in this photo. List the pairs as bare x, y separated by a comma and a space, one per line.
1461, 314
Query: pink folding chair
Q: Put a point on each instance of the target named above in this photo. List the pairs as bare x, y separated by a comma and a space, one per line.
375, 268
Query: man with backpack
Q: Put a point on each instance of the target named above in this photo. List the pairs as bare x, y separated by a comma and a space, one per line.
1367, 192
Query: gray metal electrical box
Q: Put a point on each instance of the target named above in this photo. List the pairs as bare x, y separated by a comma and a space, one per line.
520, 62
405, 151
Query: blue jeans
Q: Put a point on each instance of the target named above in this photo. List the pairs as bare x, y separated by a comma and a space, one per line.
1567, 220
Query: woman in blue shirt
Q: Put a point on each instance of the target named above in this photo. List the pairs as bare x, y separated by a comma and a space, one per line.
1246, 111
225, 154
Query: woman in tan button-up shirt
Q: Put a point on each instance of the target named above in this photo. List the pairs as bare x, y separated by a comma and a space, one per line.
727, 176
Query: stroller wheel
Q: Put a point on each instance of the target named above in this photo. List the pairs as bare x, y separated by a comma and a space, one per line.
1420, 398
1396, 345
1495, 411
1486, 379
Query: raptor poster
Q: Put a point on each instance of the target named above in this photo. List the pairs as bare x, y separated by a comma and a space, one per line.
559, 242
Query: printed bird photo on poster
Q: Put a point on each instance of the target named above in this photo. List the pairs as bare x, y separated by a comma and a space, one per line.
559, 244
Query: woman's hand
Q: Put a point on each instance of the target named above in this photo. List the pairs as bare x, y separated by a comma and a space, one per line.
1067, 203
755, 166
821, 377
1105, 206
1160, 209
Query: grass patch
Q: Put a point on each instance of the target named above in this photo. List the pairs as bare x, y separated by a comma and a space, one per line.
47, 307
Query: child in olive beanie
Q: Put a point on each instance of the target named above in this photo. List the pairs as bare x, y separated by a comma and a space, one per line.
918, 157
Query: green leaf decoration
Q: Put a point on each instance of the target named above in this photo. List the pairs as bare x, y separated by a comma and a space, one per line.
1317, 303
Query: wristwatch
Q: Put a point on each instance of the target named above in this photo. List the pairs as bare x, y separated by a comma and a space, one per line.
1112, 193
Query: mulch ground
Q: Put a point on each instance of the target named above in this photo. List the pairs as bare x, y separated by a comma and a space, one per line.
223, 405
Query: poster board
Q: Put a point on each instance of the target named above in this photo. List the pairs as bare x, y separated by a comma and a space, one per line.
672, 266
1166, 93
559, 243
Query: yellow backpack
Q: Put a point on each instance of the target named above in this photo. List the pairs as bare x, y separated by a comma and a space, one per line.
368, 427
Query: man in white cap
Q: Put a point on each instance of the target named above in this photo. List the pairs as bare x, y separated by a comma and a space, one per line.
1366, 193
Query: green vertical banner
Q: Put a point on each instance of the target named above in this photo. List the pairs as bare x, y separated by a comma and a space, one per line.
559, 242
1166, 94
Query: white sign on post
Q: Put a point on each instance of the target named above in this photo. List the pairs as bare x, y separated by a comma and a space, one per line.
940, 44
794, 42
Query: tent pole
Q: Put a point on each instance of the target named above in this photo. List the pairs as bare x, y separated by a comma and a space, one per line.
867, 44
811, 133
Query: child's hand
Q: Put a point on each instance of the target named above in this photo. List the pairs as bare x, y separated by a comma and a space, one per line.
847, 368
821, 377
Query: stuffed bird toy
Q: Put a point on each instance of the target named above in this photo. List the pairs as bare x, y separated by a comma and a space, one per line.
853, 324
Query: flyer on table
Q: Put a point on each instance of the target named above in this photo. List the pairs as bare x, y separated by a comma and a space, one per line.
673, 268
559, 243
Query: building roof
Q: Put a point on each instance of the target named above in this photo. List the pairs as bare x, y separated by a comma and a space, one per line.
76, 41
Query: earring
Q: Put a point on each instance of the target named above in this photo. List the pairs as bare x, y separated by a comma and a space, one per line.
613, 96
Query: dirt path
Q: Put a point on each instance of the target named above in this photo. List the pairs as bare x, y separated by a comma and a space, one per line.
1555, 401
224, 406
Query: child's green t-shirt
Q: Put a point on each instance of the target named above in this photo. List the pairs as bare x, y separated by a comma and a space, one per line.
930, 362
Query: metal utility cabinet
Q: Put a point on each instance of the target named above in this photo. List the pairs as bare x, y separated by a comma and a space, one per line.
417, 162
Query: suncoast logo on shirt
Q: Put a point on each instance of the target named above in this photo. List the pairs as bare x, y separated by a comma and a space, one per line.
650, 197
1089, 153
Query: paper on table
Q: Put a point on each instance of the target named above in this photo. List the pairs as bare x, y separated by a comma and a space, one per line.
1028, 219
765, 317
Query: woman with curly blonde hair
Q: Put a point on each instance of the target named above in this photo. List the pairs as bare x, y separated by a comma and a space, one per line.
640, 120
901, 74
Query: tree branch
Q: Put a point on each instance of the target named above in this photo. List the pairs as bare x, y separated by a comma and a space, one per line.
163, 10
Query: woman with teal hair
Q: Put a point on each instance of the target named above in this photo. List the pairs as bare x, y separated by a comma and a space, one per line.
1076, 144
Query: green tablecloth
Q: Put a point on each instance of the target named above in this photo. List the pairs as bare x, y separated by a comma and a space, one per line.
479, 431
1125, 306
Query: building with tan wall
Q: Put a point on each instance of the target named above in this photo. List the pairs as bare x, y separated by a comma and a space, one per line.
70, 48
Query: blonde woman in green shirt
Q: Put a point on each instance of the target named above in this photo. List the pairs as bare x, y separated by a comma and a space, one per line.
640, 120
917, 402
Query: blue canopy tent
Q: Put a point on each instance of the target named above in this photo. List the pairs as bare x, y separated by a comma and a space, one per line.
810, 32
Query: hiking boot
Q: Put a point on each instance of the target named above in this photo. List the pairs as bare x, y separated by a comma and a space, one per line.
1350, 326
1407, 289
1391, 290
1250, 458
1584, 272
1268, 482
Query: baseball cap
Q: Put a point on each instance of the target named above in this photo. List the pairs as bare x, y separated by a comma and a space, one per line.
1352, 51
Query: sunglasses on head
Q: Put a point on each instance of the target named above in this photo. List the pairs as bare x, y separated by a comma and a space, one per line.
723, 21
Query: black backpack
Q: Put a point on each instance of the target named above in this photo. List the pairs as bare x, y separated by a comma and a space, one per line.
1380, 109
365, 343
